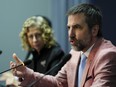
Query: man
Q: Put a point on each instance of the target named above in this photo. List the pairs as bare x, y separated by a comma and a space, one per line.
84, 29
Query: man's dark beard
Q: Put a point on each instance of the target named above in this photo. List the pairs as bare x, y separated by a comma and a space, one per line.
79, 46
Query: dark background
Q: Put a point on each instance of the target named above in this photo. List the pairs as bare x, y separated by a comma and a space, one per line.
108, 8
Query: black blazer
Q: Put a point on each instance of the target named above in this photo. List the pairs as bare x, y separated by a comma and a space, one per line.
47, 58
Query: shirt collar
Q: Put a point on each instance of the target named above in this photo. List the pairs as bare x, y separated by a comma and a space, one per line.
88, 51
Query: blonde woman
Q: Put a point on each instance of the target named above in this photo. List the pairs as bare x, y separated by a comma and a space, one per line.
37, 39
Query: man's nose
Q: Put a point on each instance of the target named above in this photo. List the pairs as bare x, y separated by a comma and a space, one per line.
71, 33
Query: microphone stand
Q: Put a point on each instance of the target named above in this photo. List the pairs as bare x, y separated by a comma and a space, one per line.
25, 63
11, 68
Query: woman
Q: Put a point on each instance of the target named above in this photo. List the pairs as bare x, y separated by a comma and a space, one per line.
37, 38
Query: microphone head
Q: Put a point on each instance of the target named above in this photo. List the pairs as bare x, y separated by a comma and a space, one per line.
27, 62
65, 59
0, 52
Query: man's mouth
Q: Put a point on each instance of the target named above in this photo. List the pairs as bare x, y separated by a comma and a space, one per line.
72, 42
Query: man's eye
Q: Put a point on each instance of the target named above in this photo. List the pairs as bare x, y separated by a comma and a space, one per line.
68, 27
77, 26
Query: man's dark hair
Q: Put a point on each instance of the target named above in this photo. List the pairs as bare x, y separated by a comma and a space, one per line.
92, 13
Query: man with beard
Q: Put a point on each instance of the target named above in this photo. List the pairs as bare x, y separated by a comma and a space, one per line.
99, 64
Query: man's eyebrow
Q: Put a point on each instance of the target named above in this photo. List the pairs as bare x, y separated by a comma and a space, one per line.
76, 26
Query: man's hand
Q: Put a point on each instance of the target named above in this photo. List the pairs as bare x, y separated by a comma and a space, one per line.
19, 71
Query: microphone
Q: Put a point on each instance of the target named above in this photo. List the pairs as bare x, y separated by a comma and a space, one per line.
0, 52
25, 63
62, 62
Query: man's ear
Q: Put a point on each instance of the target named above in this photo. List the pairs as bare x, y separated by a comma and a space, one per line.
95, 30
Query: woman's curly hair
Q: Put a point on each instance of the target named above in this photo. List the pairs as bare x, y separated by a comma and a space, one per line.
44, 25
